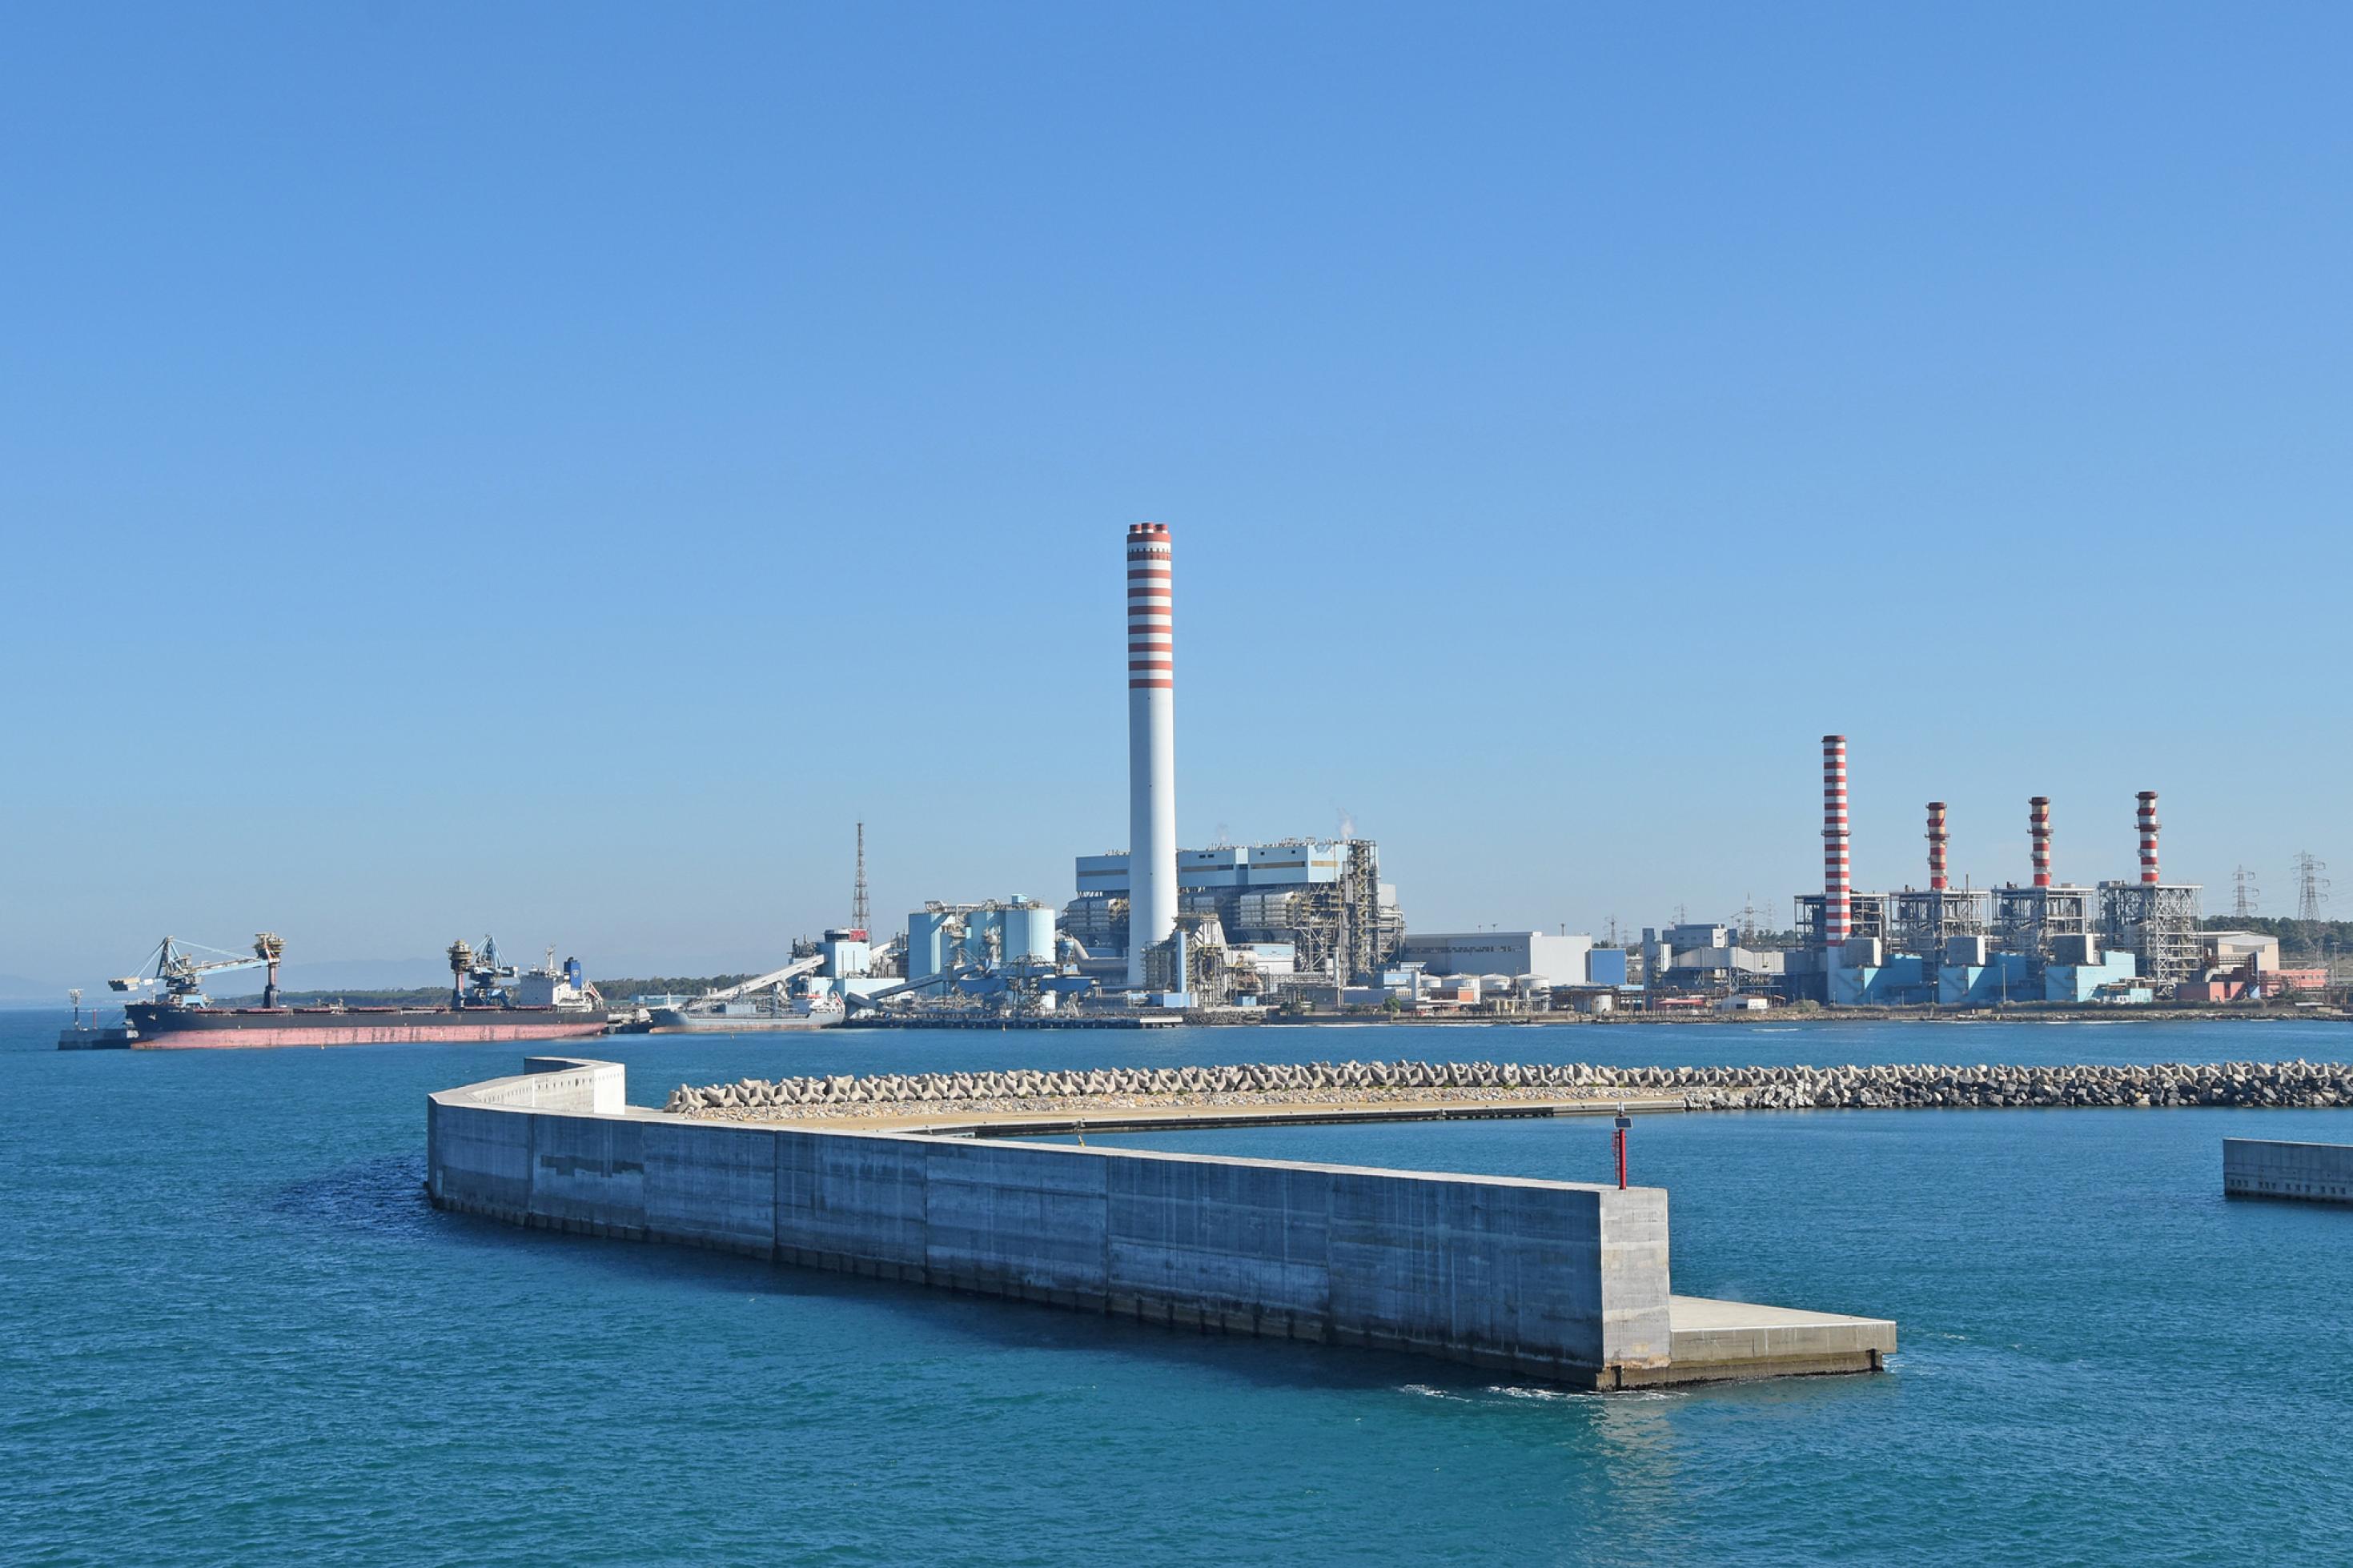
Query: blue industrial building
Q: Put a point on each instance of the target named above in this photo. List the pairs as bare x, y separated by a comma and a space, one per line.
942, 938
1859, 975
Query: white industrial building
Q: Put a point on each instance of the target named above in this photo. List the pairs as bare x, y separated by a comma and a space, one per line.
1554, 959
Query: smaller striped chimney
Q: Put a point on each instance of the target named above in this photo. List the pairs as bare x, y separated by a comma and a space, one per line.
1835, 912
1935, 845
2148, 824
2038, 830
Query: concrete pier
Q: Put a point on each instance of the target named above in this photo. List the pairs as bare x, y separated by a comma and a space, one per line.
2307, 1173
1556, 1280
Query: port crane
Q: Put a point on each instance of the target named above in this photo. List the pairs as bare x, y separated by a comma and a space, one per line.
181, 973
758, 983
479, 968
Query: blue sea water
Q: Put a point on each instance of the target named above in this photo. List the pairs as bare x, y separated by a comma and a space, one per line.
232, 1331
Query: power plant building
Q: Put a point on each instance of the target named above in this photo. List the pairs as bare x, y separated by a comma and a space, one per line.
1551, 960
942, 938
1313, 894
2041, 941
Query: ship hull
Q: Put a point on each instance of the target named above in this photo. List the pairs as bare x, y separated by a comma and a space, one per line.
669, 1021
244, 1028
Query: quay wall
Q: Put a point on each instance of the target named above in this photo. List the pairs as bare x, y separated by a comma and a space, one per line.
2311, 1172
1552, 1280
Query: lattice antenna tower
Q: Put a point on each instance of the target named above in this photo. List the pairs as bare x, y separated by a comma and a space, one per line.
2245, 897
2311, 886
857, 905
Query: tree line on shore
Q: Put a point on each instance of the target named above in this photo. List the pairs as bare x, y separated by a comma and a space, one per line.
433, 995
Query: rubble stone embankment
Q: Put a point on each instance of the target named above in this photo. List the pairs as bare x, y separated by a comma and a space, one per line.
1907, 1087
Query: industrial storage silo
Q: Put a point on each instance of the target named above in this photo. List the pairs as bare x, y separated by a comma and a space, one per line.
979, 926
1028, 933
926, 944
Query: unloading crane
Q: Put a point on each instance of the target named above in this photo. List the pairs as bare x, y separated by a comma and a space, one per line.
480, 969
180, 972
939, 982
758, 983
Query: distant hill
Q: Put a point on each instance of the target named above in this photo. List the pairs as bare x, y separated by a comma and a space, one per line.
666, 986
369, 981
19, 991
339, 976
428, 996
328, 977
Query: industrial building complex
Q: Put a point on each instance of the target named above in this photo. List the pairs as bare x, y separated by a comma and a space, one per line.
1309, 924
2045, 939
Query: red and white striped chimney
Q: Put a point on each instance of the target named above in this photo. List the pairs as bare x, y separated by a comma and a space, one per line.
1835, 925
2038, 832
1150, 744
1935, 845
2148, 824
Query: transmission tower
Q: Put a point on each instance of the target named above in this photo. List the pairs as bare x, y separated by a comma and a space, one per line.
1749, 913
2245, 897
2311, 887
858, 908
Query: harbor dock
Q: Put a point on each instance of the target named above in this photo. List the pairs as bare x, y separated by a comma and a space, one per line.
1566, 1282
2305, 1173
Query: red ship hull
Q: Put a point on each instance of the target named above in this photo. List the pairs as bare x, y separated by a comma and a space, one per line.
170, 1029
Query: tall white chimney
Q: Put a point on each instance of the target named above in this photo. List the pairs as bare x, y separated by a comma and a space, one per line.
1150, 745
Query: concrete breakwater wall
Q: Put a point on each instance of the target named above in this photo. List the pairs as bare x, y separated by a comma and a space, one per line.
1922, 1085
1551, 1280
2309, 1173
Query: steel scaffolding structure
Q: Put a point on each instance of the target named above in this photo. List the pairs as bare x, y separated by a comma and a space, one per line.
1920, 919
1866, 915
2026, 919
2158, 921
1347, 912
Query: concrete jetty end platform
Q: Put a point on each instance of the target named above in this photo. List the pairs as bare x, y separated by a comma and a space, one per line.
2305, 1173
1561, 1281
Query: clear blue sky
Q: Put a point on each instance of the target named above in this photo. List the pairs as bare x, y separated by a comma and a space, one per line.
549, 469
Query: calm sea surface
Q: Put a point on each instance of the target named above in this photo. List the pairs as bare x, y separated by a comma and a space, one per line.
231, 1330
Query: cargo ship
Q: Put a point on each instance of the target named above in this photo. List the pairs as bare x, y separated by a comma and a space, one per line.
780, 999
746, 1016
487, 1001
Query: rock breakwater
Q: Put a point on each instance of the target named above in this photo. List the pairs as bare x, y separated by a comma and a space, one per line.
1914, 1086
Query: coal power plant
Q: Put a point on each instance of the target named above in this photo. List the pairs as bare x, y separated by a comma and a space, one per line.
1169, 928
1196, 924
